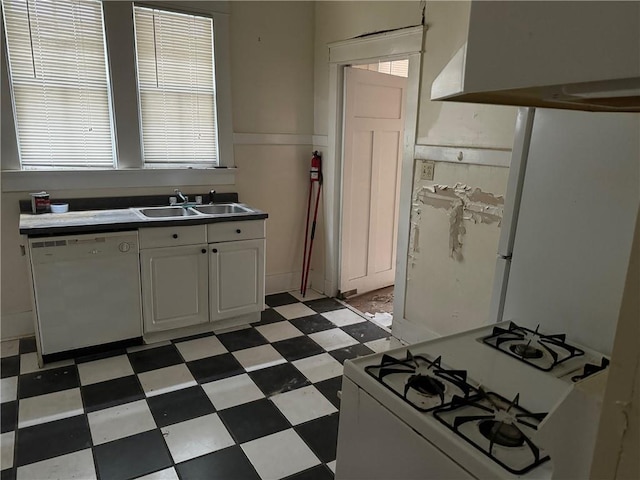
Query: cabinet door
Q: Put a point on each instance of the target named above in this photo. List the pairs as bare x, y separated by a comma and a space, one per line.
174, 287
236, 281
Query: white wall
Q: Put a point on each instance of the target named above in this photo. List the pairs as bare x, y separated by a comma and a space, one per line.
448, 292
462, 292
445, 293
618, 442
272, 62
272, 92
337, 21
279, 74
459, 124
272, 83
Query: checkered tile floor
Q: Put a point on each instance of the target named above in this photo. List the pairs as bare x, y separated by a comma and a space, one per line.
254, 403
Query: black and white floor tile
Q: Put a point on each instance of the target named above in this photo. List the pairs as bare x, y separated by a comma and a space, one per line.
261, 402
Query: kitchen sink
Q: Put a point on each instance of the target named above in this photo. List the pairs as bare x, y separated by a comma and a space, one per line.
166, 212
222, 209
194, 210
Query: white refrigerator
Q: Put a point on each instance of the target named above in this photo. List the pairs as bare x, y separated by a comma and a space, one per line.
570, 212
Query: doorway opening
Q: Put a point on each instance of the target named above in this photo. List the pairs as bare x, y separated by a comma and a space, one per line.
373, 143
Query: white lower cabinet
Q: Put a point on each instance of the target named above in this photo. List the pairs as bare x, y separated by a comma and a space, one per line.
187, 281
174, 287
236, 278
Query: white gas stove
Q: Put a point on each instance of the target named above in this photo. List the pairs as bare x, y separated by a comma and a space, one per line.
472, 403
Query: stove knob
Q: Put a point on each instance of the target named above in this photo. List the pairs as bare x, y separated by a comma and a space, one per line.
124, 247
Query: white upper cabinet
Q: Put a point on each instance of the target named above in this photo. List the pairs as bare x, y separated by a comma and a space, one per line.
572, 55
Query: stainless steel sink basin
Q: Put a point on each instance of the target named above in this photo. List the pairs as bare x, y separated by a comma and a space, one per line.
222, 209
166, 212
191, 211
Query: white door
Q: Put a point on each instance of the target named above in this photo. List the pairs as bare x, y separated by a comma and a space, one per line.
236, 281
373, 144
174, 286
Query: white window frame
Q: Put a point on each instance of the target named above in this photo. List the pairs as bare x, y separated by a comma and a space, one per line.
130, 172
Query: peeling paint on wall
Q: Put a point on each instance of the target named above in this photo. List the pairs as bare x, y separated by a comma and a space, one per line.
414, 239
461, 203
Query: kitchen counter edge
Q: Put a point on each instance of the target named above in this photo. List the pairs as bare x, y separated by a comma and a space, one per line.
129, 221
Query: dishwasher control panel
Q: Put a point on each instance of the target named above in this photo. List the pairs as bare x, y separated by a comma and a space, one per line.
82, 246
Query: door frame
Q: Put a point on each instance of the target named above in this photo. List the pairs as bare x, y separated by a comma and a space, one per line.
396, 44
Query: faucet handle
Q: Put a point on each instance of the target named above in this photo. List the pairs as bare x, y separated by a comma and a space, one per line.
181, 196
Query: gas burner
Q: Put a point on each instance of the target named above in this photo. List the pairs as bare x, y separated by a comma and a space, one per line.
543, 352
500, 429
525, 350
426, 385
421, 382
505, 434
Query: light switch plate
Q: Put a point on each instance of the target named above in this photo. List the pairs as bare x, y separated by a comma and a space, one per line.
427, 170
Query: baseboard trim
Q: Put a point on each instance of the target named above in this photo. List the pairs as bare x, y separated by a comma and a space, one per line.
290, 281
316, 281
282, 282
17, 325
330, 290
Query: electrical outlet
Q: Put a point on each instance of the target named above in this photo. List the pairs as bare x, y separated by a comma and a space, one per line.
428, 167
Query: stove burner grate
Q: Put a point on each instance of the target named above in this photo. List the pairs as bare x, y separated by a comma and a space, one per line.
543, 352
425, 377
501, 422
589, 369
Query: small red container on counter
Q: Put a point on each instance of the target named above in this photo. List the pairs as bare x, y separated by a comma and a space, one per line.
40, 202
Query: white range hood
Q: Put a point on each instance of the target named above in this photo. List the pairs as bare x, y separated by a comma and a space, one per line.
574, 55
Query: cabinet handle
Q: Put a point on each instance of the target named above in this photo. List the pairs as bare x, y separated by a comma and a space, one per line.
175, 235
215, 250
238, 231
204, 250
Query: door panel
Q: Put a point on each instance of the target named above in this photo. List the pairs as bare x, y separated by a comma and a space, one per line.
378, 101
236, 281
237, 266
374, 123
174, 285
358, 209
384, 243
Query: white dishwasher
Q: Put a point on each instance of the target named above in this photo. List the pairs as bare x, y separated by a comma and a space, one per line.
87, 289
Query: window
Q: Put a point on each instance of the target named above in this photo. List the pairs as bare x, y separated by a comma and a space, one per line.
59, 79
176, 88
399, 68
115, 94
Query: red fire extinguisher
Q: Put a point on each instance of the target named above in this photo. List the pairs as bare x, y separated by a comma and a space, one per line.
316, 163
315, 177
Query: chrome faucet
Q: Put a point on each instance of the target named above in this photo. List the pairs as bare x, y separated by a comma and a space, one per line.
182, 197
212, 196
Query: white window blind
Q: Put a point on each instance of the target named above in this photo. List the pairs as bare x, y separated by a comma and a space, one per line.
399, 68
176, 87
60, 83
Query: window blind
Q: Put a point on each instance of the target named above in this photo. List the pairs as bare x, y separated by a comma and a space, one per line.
176, 88
60, 85
399, 68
